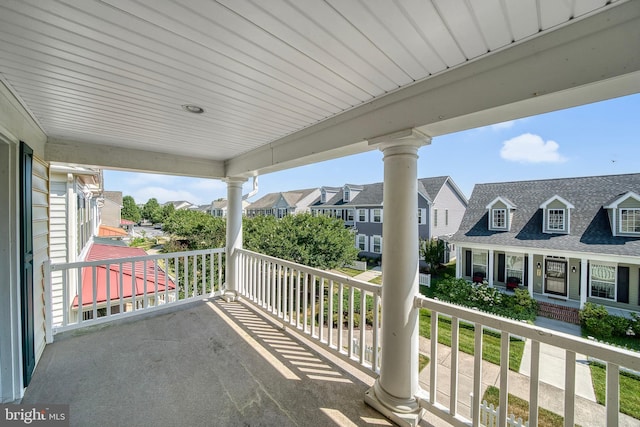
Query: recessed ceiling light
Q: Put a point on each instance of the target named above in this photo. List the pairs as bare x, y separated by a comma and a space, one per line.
193, 109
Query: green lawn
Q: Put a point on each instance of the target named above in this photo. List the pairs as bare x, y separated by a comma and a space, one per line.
490, 341
520, 408
376, 280
351, 272
423, 361
629, 389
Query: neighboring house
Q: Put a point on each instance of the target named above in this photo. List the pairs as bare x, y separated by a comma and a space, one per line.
112, 208
441, 206
572, 240
180, 204
284, 203
74, 218
219, 207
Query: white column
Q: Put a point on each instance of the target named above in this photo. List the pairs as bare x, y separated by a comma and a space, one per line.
490, 268
394, 392
584, 272
530, 274
458, 262
234, 236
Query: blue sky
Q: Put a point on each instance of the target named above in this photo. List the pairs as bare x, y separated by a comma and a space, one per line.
596, 139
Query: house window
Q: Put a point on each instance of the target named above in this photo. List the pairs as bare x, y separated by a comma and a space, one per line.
498, 218
555, 220
362, 215
346, 195
435, 217
446, 217
479, 263
419, 216
350, 215
377, 244
514, 266
377, 215
362, 242
602, 279
630, 220
323, 196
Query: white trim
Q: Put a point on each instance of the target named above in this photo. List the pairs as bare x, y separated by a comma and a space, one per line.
492, 217
625, 196
373, 214
615, 280
509, 205
562, 200
372, 244
365, 241
620, 231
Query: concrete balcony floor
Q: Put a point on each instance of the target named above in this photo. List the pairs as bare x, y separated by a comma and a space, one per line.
208, 363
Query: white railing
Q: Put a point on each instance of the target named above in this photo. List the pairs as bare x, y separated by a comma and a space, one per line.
339, 312
86, 293
490, 416
448, 410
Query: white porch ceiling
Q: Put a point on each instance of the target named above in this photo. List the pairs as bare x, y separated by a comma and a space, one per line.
286, 82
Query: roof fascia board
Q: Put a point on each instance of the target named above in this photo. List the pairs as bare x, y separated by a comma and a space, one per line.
492, 86
621, 199
121, 158
558, 198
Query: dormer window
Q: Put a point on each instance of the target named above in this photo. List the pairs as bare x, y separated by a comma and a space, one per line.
346, 195
630, 221
323, 196
500, 214
624, 214
499, 218
556, 215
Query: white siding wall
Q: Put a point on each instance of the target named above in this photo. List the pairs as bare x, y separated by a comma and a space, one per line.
448, 200
57, 237
40, 248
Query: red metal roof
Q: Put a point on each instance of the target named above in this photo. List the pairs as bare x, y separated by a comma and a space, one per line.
107, 231
132, 275
127, 222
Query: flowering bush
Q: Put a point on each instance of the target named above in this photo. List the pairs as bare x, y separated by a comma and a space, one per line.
519, 306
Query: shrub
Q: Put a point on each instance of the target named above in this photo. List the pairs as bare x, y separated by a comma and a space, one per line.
595, 319
635, 324
619, 325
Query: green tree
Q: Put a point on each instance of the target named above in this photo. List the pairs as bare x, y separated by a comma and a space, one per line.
316, 241
432, 251
150, 209
192, 230
130, 210
166, 211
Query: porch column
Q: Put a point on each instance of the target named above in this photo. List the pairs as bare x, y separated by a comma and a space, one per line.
458, 262
490, 268
234, 236
584, 274
394, 392
530, 274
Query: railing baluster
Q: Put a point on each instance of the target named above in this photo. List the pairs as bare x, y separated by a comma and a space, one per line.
376, 332
66, 306
340, 316
350, 332
534, 383
455, 343
433, 365
477, 375
313, 305
80, 302
108, 272
291, 287
569, 388
176, 274
145, 297
298, 296
330, 314
220, 270
321, 309
203, 266
133, 287
155, 281
120, 288
305, 297
195, 276
613, 394
363, 325
504, 378
185, 267
212, 271
94, 287
279, 291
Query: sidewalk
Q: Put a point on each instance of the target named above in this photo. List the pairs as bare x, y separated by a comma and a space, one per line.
369, 274
551, 387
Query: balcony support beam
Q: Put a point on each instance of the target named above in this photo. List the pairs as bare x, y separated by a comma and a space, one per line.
234, 237
394, 392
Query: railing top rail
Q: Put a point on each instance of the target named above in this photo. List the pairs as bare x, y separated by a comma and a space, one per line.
79, 264
619, 356
370, 287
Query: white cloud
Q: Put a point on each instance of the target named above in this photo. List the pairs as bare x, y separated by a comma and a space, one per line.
141, 195
503, 125
530, 148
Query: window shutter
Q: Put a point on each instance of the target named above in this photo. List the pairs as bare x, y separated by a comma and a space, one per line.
467, 263
525, 279
623, 284
501, 265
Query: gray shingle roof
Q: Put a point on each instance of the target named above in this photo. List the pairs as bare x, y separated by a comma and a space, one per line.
590, 229
270, 200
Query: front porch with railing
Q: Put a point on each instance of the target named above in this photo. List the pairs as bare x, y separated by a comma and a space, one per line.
301, 347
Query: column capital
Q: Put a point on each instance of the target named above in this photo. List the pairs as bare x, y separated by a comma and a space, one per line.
407, 137
235, 180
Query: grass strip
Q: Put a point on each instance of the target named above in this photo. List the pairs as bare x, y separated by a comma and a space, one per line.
490, 340
629, 389
520, 408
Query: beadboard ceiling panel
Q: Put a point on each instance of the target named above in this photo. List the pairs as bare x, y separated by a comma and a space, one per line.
116, 73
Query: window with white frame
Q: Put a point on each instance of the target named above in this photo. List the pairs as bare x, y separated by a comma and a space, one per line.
514, 266
555, 220
323, 196
362, 215
346, 195
630, 220
350, 214
446, 217
377, 215
435, 217
376, 244
479, 263
361, 242
602, 281
420, 216
498, 218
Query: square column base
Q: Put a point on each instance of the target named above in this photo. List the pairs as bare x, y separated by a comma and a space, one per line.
403, 419
231, 296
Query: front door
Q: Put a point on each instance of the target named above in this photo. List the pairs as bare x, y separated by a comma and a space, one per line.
555, 277
26, 262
